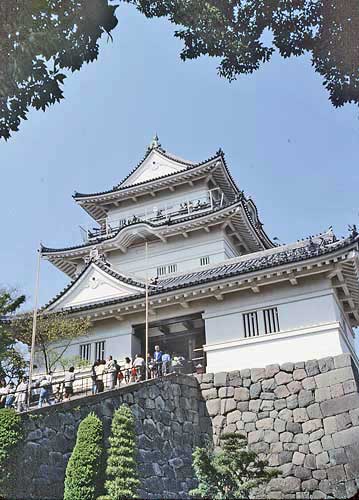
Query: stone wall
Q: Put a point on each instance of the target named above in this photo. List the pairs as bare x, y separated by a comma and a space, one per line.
170, 421
303, 417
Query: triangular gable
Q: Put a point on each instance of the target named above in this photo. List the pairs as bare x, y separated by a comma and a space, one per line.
94, 285
153, 166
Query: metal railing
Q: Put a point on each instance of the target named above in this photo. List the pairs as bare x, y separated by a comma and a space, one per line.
214, 199
57, 391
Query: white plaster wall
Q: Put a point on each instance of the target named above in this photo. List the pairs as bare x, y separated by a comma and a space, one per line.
309, 304
163, 200
276, 348
185, 252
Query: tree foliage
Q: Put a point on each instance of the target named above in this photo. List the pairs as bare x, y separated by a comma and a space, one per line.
121, 471
39, 40
83, 479
12, 364
42, 40
11, 433
233, 472
54, 334
234, 32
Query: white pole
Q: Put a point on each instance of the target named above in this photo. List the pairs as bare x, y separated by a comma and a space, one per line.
146, 326
36, 300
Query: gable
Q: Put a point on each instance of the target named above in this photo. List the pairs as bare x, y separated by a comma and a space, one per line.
155, 165
93, 286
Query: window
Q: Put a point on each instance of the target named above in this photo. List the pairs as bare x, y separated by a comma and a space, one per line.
271, 320
204, 261
172, 268
250, 324
162, 270
100, 350
85, 352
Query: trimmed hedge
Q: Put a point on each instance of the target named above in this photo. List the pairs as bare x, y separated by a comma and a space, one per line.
11, 433
84, 477
121, 471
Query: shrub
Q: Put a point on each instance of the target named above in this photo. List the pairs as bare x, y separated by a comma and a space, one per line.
83, 480
233, 472
11, 433
121, 471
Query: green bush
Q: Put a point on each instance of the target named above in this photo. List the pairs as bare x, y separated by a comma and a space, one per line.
121, 471
83, 480
231, 473
11, 433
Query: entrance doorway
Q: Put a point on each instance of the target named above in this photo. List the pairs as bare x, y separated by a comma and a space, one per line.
180, 336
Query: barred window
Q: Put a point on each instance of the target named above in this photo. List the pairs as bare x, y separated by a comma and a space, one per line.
204, 261
85, 352
250, 324
162, 270
271, 320
100, 350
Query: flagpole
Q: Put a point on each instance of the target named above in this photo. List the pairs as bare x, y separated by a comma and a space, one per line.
146, 260
34, 321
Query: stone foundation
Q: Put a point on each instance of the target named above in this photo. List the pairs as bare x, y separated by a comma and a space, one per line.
302, 417
170, 421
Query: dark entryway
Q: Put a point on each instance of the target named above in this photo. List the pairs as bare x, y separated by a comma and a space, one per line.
181, 336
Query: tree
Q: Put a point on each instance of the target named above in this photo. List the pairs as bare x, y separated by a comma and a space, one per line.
41, 40
12, 363
121, 471
11, 433
54, 334
233, 472
83, 479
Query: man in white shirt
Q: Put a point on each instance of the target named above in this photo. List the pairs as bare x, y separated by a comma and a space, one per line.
139, 364
21, 395
111, 372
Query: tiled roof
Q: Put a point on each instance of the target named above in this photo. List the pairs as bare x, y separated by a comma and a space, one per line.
108, 270
120, 187
168, 223
266, 259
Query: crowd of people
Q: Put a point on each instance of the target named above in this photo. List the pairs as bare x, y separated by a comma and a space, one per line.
105, 375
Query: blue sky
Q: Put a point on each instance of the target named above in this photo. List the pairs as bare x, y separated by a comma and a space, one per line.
286, 145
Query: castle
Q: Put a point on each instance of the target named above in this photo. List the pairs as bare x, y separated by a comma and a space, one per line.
178, 252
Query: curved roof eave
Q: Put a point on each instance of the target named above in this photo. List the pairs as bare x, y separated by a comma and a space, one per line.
78, 197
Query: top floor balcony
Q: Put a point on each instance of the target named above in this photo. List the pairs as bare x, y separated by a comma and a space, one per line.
170, 211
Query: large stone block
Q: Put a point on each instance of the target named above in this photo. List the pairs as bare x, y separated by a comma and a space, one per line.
314, 411
305, 398
241, 394
257, 374
213, 407
228, 405
281, 391
325, 364
226, 392
265, 423
271, 370
300, 415
334, 377
340, 405
255, 390
220, 379
346, 437
342, 360
312, 367
283, 378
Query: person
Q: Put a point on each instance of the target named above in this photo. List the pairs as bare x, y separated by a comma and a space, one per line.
138, 365
21, 395
10, 395
118, 374
3, 392
178, 362
45, 389
127, 369
166, 363
69, 382
111, 373
151, 366
100, 370
94, 377
157, 357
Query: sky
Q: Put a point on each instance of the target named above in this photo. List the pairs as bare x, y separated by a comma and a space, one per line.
285, 144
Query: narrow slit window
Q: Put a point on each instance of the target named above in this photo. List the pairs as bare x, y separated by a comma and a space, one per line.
204, 261
85, 352
250, 324
271, 320
100, 350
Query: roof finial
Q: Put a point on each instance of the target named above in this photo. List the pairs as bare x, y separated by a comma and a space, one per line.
155, 143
